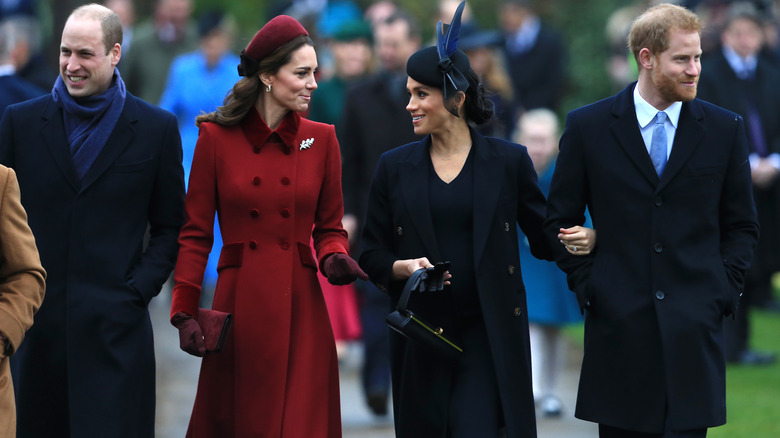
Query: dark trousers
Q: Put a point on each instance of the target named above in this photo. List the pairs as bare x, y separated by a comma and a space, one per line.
616, 432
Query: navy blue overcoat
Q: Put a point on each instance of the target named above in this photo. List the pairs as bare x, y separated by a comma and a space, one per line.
87, 364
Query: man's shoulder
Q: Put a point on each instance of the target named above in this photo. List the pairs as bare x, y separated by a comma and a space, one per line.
717, 113
145, 110
32, 106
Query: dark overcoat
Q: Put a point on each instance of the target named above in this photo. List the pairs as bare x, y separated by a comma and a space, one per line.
668, 265
399, 226
721, 86
88, 362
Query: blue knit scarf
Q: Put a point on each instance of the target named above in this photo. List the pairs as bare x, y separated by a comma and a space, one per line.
90, 120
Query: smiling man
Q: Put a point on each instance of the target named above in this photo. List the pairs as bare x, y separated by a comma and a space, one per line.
666, 179
96, 167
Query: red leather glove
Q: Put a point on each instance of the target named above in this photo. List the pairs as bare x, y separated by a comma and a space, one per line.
341, 269
190, 334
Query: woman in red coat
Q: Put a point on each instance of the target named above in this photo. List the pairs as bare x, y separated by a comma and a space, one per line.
270, 176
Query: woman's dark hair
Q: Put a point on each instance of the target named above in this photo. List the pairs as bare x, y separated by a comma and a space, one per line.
478, 108
244, 94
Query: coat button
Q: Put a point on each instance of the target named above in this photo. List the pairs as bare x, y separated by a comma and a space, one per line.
659, 201
518, 312
658, 247
285, 181
284, 245
254, 213
660, 295
256, 149
511, 269
252, 244
285, 212
287, 151
399, 231
506, 226
256, 181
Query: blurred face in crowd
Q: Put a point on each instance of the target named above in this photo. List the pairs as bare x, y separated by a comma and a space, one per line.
293, 85
481, 60
426, 105
394, 46
215, 44
743, 35
85, 67
511, 17
176, 12
352, 57
674, 73
540, 140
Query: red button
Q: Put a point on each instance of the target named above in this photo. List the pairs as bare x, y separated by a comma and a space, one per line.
257, 149
285, 181
285, 212
284, 245
255, 213
287, 151
256, 180
252, 244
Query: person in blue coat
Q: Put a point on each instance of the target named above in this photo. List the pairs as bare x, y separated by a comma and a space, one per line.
550, 303
97, 168
198, 83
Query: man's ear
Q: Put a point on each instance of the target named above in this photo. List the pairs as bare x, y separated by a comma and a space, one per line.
116, 54
646, 58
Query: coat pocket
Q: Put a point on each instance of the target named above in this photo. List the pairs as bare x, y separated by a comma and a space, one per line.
231, 256
306, 255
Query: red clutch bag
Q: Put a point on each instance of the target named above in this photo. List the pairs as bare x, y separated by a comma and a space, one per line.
215, 326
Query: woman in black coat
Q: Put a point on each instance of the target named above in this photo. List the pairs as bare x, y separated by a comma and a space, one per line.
456, 196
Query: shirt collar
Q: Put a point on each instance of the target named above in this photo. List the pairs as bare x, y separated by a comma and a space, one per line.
743, 67
645, 113
7, 70
526, 35
257, 132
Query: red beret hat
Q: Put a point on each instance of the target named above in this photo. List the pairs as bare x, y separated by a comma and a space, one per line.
270, 37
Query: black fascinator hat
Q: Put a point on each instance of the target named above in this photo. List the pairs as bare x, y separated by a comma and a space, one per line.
443, 65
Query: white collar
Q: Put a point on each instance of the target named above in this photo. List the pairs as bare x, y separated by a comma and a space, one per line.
645, 113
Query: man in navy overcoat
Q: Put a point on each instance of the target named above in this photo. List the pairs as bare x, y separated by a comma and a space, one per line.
97, 167
666, 179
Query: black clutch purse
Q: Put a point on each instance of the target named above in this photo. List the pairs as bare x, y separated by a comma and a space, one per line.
405, 322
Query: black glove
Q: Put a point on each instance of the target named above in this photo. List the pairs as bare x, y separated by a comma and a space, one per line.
433, 278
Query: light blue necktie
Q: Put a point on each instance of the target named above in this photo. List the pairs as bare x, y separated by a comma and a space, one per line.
658, 143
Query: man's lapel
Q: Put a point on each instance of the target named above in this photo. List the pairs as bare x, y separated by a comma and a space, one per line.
53, 131
690, 130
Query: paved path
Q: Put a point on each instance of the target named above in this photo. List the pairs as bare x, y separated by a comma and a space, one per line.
177, 376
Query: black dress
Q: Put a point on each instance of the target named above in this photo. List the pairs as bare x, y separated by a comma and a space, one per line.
451, 207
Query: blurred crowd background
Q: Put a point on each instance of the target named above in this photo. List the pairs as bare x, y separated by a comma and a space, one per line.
539, 58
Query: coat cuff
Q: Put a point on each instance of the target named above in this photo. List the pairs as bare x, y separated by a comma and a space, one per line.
186, 299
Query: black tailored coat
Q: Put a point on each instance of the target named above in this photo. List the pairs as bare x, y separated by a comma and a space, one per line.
89, 358
668, 265
539, 74
720, 85
399, 226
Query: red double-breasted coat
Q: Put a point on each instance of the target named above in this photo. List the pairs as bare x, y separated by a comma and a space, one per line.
278, 373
